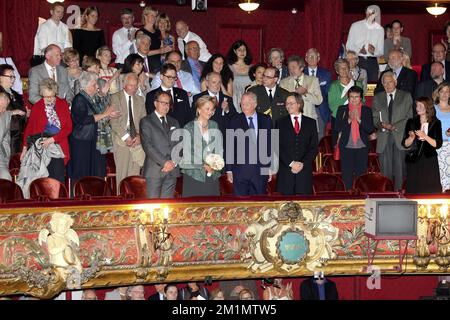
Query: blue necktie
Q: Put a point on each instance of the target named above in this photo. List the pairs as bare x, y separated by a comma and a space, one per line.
252, 126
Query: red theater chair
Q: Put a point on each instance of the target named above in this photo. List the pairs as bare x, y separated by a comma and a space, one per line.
272, 186
92, 186
327, 183
43, 189
331, 166
226, 188
179, 187
111, 173
373, 164
9, 191
133, 187
373, 183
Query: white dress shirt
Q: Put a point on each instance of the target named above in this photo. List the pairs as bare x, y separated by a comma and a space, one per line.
299, 119
362, 34
389, 98
51, 33
273, 91
186, 80
121, 44
163, 88
191, 36
50, 71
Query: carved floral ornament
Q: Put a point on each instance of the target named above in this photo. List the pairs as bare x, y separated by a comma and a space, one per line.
290, 238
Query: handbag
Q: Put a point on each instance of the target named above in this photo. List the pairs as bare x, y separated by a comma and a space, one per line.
31, 139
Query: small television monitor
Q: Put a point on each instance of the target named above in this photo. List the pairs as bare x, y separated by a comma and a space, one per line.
391, 217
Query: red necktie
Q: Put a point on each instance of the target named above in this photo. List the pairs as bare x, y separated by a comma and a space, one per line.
296, 125
179, 84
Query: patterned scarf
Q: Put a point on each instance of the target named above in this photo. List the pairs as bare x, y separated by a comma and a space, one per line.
52, 116
355, 124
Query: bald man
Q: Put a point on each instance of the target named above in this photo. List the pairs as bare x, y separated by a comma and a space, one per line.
184, 36
439, 53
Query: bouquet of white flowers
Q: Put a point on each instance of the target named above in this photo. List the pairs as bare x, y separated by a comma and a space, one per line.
215, 161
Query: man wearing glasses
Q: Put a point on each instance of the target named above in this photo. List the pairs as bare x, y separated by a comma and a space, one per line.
180, 109
271, 97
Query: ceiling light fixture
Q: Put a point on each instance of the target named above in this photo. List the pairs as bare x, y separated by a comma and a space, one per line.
142, 4
53, 1
436, 10
294, 10
249, 5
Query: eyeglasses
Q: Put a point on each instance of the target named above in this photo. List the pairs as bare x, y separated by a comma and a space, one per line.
171, 78
269, 77
11, 77
48, 97
291, 103
164, 103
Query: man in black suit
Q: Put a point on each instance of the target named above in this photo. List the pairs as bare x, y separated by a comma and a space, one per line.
318, 288
425, 88
192, 65
225, 109
159, 295
181, 109
271, 97
406, 78
143, 43
298, 148
439, 53
248, 149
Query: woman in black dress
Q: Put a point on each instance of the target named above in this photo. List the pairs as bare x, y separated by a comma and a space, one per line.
423, 135
88, 38
86, 158
156, 50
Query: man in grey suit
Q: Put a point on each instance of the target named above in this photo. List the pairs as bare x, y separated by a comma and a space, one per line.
391, 109
192, 64
49, 69
160, 170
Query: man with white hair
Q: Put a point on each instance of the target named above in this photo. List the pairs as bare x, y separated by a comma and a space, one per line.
128, 153
184, 36
52, 69
366, 37
143, 43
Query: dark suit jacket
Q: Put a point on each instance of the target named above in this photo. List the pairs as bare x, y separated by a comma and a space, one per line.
15, 102
222, 120
365, 127
426, 70
154, 296
157, 145
425, 88
293, 147
181, 110
247, 169
284, 72
406, 81
324, 81
309, 290
185, 66
278, 105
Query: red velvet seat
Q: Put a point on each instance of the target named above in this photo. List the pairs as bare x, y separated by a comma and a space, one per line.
133, 187
373, 183
325, 145
373, 164
327, 183
43, 189
93, 186
226, 188
14, 165
331, 166
373, 147
9, 191
272, 186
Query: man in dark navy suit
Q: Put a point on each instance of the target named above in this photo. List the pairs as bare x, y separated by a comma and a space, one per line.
298, 148
438, 53
312, 58
181, 109
225, 109
425, 88
406, 78
248, 159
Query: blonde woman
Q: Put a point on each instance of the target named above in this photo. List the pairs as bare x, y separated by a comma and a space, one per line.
107, 73
167, 40
88, 38
441, 99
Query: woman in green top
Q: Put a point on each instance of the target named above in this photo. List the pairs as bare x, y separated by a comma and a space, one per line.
201, 137
337, 95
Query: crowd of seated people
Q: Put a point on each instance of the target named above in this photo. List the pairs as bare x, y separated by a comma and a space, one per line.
317, 287
119, 116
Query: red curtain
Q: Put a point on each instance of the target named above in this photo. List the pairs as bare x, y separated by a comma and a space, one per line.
323, 28
19, 25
